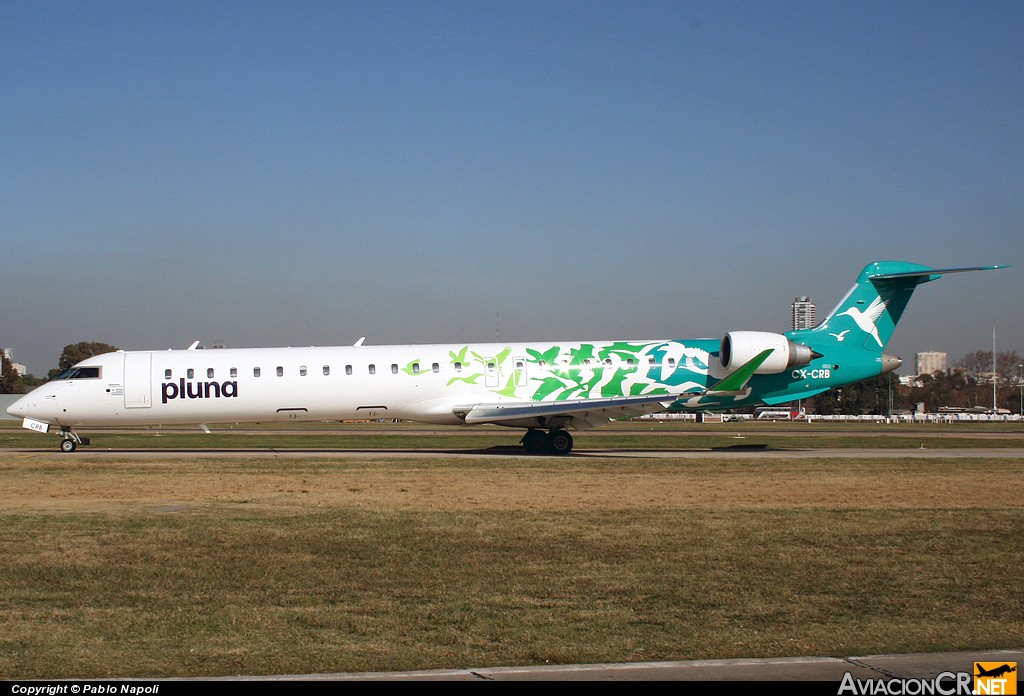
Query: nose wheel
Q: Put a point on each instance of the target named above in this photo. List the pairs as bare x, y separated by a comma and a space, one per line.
71, 440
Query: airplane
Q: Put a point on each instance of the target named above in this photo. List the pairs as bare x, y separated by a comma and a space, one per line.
995, 671
547, 388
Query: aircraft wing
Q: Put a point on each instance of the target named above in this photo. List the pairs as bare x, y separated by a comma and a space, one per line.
581, 414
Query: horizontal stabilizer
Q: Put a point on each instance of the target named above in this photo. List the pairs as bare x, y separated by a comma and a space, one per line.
933, 272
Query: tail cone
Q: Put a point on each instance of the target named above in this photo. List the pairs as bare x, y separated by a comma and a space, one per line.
890, 363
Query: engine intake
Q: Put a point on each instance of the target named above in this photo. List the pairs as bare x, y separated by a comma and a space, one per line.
739, 347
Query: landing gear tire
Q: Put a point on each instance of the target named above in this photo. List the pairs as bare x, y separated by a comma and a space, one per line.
559, 442
68, 445
534, 441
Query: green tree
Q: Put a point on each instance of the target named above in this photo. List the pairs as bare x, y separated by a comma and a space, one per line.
77, 352
9, 377
868, 397
933, 390
977, 370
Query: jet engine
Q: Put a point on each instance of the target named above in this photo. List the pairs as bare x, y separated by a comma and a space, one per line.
740, 347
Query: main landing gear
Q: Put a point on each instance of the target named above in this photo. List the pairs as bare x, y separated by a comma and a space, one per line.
71, 440
555, 442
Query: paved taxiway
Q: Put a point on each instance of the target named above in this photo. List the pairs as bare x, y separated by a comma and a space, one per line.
827, 669
720, 453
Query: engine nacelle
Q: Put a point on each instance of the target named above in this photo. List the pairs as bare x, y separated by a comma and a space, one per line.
739, 347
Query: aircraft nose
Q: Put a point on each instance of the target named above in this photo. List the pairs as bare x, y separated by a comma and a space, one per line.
36, 405
17, 408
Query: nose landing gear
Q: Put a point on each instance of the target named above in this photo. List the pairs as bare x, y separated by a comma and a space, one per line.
71, 440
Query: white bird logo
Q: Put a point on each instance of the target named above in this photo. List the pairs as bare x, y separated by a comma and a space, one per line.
841, 335
866, 319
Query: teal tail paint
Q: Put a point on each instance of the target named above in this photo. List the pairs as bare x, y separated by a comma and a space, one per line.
847, 346
852, 338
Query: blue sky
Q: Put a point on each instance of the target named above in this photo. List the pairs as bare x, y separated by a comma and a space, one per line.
306, 173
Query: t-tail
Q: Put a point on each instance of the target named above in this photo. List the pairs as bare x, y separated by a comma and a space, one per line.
754, 367
852, 339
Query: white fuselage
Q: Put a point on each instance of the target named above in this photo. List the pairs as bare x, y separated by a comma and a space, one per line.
538, 386
426, 383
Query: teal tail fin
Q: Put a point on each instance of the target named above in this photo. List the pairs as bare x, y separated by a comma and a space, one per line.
866, 317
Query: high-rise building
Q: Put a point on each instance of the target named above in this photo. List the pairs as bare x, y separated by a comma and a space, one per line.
803, 313
930, 362
18, 367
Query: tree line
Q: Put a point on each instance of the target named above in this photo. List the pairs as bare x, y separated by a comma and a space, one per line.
967, 385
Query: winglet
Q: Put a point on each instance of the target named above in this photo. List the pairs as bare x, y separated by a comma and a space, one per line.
738, 379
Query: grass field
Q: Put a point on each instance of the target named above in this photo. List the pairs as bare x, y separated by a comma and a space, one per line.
116, 565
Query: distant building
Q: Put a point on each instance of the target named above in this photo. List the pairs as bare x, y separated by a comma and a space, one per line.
930, 362
18, 367
910, 381
803, 313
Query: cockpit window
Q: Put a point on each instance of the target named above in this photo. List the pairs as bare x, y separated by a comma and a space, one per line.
80, 373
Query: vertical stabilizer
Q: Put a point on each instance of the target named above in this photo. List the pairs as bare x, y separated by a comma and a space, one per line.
868, 314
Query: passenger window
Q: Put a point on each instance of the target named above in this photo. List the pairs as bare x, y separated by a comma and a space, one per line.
490, 367
415, 368
435, 367
167, 374
209, 373
191, 373
373, 369
327, 370
280, 371
519, 365
255, 372
458, 367
234, 372
348, 369
672, 363
650, 360
629, 362
608, 362
302, 370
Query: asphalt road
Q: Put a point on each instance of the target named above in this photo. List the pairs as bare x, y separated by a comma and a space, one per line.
515, 451
826, 669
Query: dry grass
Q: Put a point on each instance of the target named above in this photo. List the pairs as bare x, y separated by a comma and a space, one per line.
50, 482
116, 567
